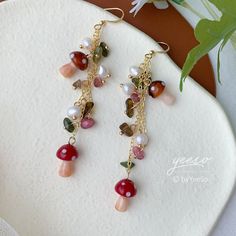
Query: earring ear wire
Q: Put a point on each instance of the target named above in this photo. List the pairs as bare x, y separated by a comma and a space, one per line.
115, 9
154, 52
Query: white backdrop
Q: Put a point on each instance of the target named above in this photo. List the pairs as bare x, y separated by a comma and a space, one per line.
36, 39
226, 96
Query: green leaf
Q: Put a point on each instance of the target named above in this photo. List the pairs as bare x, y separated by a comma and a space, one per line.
226, 39
178, 1
209, 33
125, 164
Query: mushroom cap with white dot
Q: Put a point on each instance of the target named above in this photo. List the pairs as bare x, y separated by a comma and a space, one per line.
64, 151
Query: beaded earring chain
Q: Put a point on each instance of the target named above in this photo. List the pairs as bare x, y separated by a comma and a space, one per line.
141, 84
80, 114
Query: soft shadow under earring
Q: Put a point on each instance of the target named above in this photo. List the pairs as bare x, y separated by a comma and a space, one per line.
80, 114
140, 86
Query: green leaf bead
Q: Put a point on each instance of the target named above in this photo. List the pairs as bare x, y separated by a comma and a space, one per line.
125, 164
68, 125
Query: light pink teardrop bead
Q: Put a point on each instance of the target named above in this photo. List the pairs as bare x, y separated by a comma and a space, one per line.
68, 70
66, 169
167, 98
87, 123
122, 204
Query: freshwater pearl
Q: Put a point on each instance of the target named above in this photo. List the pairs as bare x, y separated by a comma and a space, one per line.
86, 43
73, 112
134, 70
102, 71
128, 88
142, 139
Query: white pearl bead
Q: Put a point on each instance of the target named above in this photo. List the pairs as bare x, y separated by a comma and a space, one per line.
86, 43
142, 139
134, 70
73, 112
128, 89
102, 71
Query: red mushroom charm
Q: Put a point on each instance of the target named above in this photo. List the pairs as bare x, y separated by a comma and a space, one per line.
67, 153
78, 61
157, 89
126, 189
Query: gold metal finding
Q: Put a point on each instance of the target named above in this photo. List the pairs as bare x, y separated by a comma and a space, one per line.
144, 80
115, 9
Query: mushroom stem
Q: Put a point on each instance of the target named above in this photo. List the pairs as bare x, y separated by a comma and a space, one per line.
122, 204
68, 70
167, 98
66, 169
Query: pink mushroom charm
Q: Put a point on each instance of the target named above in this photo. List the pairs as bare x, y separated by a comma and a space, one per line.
67, 153
126, 189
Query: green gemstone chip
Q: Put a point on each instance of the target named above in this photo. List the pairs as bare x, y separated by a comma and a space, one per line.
68, 125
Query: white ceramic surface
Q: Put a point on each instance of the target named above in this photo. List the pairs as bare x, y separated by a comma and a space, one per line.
226, 97
35, 41
6, 229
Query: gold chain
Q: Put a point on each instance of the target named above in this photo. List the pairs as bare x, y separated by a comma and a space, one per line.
140, 118
86, 95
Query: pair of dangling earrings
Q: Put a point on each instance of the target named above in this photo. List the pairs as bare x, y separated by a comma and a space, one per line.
80, 114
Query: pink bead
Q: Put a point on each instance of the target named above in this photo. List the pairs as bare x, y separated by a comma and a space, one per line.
68, 70
66, 169
122, 204
135, 97
167, 98
98, 82
87, 123
138, 152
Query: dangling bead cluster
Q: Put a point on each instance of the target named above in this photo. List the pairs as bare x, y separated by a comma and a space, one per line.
137, 89
80, 114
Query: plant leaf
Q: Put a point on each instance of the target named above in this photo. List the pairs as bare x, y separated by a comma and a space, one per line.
209, 33
178, 1
224, 42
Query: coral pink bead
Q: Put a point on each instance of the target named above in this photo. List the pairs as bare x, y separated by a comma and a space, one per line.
138, 152
66, 169
68, 70
122, 204
98, 82
67, 152
80, 60
126, 189
87, 123
135, 97
167, 98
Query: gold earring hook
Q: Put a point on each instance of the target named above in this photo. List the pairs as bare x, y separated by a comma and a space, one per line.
115, 9
153, 52
162, 51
